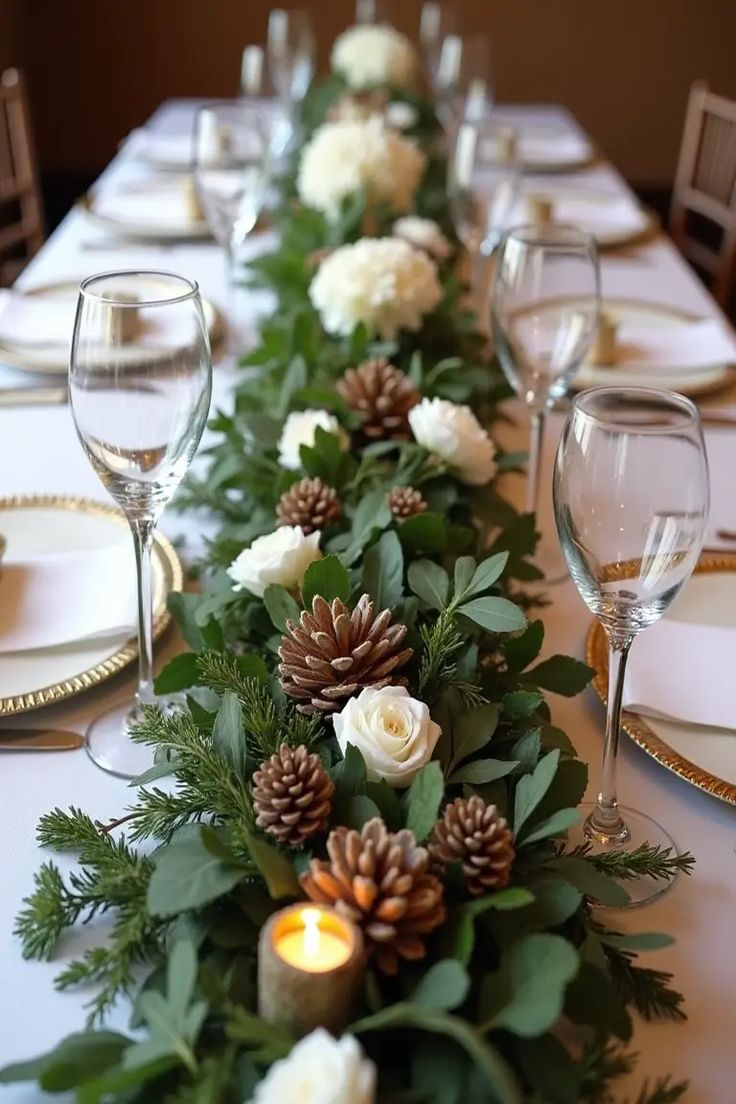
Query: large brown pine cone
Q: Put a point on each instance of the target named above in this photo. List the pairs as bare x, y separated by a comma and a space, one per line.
331, 653
380, 881
310, 503
383, 394
405, 502
478, 836
292, 795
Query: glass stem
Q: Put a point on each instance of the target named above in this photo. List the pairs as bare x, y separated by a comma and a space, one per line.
142, 530
535, 461
605, 824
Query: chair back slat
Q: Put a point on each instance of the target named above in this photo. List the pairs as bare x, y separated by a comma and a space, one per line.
705, 185
21, 211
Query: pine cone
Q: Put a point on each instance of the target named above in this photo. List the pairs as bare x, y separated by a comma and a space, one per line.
383, 394
479, 837
331, 653
405, 502
310, 503
380, 881
292, 794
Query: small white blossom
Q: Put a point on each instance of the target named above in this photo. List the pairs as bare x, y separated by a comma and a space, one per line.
454, 434
300, 428
392, 731
280, 557
373, 54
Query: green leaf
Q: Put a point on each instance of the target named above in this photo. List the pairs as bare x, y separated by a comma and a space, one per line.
430, 582
327, 578
77, 1057
228, 734
473, 731
464, 570
423, 533
482, 771
349, 773
560, 675
522, 650
521, 703
637, 941
277, 869
458, 935
383, 571
527, 749
180, 673
280, 605
531, 788
593, 1000
444, 986
187, 876
589, 881
360, 809
118, 1079
183, 608
495, 615
527, 993
423, 800
388, 802
555, 825
486, 574
252, 667
489, 1062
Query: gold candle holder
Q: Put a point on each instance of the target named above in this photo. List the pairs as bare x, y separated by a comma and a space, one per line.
310, 969
603, 349
540, 209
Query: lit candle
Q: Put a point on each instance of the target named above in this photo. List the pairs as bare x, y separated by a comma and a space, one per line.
310, 968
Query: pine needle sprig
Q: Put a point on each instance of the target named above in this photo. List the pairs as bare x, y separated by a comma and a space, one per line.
664, 1091
67, 831
600, 1064
48, 912
648, 990
644, 861
441, 642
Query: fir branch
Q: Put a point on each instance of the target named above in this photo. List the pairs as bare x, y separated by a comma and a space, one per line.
157, 814
600, 1064
441, 643
70, 831
664, 1091
48, 911
644, 861
648, 990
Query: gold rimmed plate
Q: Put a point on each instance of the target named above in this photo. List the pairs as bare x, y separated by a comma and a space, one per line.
36, 524
705, 757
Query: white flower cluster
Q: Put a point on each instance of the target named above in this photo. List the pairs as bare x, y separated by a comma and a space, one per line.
385, 283
373, 54
347, 156
453, 433
320, 1070
425, 234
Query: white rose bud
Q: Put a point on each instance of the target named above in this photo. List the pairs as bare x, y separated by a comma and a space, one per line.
280, 557
320, 1070
393, 732
453, 433
300, 428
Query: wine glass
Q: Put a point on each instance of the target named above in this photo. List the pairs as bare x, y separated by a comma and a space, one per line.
291, 53
140, 380
631, 505
436, 22
546, 302
261, 103
463, 81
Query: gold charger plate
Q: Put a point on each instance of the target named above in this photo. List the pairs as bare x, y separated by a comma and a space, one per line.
641, 730
52, 675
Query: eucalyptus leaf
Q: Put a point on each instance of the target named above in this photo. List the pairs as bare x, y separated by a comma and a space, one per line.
553, 826
429, 582
482, 771
495, 615
595, 885
327, 578
73, 1060
444, 986
187, 876
521, 703
486, 574
423, 801
180, 673
276, 867
473, 731
527, 993
561, 675
280, 605
228, 733
423, 533
383, 571
522, 650
360, 809
531, 788
464, 570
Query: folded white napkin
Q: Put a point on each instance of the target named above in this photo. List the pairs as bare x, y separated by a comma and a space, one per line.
174, 150
36, 319
65, 597
683, 672
703, 344
540, 147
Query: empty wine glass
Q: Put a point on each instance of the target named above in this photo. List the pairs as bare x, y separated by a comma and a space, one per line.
291, 53
463, 81
631, 503
436, 22
546, 302
261, 103
140, 381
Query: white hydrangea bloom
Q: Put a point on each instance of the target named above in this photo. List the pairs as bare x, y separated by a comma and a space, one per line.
453, 433
385, 283
425, 234
320, 1070
300, 428
372, 54
348, 155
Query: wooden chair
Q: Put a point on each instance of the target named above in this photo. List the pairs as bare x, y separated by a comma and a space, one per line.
705, 189
21, 211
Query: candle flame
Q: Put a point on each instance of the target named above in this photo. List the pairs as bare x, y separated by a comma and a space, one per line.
312, 939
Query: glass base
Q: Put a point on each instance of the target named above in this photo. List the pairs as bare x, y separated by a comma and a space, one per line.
110, 747
641, 829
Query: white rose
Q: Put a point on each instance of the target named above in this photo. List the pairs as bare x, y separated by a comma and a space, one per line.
425, 234
372, 54
280, 557
400, 115
454, 434
300, 429
353, 155
320, 1070
385, 283
393, 732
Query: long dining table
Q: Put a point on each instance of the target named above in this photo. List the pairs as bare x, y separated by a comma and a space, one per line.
40, 454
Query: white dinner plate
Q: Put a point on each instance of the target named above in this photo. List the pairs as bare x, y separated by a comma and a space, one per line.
55, 523
610, 220
51, 357
151, 210
543, 149
682, 378
705, 757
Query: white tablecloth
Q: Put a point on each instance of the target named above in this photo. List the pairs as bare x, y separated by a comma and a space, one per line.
39, 453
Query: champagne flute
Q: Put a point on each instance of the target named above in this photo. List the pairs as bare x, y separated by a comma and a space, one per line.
631, 503
291, 53
546, 302
261, 104
140, 380
463, 81
436, 22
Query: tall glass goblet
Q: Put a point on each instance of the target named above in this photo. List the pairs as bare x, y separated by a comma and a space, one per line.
291, 52
463, 81
261, 104
436, 22
631, 499
140, 380
546, 302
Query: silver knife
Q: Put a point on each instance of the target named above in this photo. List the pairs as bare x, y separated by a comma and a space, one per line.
39, 739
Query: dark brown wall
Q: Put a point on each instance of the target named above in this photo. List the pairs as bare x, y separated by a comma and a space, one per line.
99, 67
